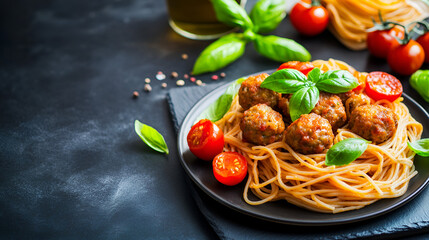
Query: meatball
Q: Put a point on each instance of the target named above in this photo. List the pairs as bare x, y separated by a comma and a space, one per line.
251, 93
310, 134
373, 122
261, 125
356, 101
331, 107
345, 96
283, 106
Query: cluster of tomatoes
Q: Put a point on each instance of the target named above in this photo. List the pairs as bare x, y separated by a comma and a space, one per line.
206, 141
392, 41
387, 40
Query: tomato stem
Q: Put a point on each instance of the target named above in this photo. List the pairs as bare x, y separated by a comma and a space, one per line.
315, 3
383, 25
418, 31
406, 38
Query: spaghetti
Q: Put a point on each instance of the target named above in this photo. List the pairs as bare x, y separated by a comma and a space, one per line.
277, 172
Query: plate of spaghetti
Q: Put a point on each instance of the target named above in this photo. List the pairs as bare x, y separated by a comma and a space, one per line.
289, 179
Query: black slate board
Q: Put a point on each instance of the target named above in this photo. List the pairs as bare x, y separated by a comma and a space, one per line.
408, 220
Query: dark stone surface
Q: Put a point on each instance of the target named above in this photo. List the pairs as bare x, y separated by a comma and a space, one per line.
71, 164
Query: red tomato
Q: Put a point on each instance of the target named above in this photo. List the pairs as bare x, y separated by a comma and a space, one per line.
205, 140
230, 168
380, 42
424, 42
406, 59
309, 19
381, 85
304, 67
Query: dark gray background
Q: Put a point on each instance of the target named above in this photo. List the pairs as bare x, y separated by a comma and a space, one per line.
71, 164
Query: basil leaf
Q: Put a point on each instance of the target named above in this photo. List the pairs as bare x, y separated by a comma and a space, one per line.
345, 151
281, 49
285, 81
336, 81
220, 53
420, 147
420, 82
151, 137
231, 13
303, 101
267, 14
217, 109
314, 75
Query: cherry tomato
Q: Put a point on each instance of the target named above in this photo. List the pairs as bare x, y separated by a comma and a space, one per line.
380, 42
230, 168
309, 19
304, 67
407, 58
424, 42
381, 85
205, 140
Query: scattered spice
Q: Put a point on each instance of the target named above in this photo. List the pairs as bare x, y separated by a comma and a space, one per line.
180, 82
184, 56
135, 94
160, 76
147, 88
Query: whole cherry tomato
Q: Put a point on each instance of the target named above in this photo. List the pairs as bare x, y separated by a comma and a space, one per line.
309, 19
205, 140
424, 42
304, 67
381, 85
230, 168
380, 42
406, 58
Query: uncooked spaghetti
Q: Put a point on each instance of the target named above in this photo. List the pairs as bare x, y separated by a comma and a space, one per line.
277, 172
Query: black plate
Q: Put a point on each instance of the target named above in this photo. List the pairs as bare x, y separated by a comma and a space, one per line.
281, 211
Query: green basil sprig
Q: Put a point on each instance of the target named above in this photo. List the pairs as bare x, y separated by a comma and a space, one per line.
345, 151
231, 13
220, 53
151, 137
303, 101
265, 16
217, 109
305, 90
420, 82
280, 49
420, 147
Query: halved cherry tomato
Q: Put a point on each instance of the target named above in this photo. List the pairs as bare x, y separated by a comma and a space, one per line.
304, 67
381, 85
407, 58
380, 42
230, 168
424, 42
309, 19
205, 140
